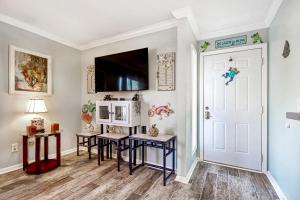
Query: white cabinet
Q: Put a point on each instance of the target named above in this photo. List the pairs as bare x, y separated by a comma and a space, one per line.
118, 113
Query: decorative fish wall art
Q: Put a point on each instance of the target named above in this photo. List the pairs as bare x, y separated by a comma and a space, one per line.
160, 111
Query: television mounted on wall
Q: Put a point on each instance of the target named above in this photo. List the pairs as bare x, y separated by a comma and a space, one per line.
126, 71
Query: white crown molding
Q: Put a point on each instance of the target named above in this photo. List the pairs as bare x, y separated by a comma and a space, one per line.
231, 31
181, 13
187, 13
14, 22
164, 25
273, 11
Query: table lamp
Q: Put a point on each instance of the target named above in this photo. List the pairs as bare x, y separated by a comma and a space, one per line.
36, 106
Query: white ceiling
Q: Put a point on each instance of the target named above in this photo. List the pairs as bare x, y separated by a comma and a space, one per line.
78, 23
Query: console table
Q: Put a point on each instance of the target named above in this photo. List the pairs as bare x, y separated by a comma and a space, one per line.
164, 142
40, 166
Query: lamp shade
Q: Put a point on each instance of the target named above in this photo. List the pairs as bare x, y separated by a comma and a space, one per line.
36, 106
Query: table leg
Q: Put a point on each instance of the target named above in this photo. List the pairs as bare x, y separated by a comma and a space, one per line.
98, 151
102, 149
46, 148
37, 154
173, 155
89, 147
118, 154
25, 152
164, 164
77, 145
130, 156
110, 149
135, 144
107, 149
58, 149
143, 153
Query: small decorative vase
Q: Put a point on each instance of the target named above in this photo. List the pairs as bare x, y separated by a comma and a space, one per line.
153, 131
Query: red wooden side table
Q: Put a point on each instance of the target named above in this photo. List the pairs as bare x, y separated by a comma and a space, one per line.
40, 166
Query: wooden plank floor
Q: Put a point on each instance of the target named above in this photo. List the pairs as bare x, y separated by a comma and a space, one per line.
80, 178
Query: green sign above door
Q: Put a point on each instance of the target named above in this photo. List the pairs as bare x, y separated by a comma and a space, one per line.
230, 42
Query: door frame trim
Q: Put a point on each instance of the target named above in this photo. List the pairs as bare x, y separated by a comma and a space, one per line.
264, 48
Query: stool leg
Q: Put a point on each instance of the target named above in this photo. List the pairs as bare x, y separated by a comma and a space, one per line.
77, 145
118, 154
110, 150
107, 149
130, 156
135, 144
164, 164
173, 155
98, 151
89, 147
143, 153
102, 149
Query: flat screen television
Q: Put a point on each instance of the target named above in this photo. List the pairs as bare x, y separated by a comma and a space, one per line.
126, 71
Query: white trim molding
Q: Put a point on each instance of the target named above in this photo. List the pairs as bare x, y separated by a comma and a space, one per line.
164, 25
22, 25
271, 14
264, 48
186, 179
276, 187
273, 11
187, 13
20, 165
232, 31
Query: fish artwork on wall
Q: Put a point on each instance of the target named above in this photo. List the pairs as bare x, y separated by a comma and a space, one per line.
160, 111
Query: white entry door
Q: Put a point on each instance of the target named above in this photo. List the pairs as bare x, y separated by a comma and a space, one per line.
233, 112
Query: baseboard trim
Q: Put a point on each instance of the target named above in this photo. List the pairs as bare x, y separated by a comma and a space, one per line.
276, 187
186, 179
20, 165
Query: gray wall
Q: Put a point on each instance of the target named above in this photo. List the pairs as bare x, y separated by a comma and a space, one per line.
63, 105
185, 39
178, 40
159, 42
263, 33
284, 93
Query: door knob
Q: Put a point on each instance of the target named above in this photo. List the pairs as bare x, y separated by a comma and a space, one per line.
207, 115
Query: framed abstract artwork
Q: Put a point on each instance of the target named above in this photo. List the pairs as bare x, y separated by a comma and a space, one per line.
29, 72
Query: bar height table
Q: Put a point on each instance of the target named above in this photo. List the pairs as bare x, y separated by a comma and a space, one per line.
118, 139
164, 142
87, 139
